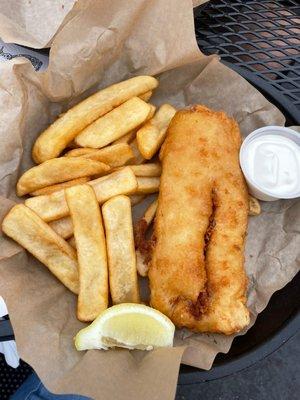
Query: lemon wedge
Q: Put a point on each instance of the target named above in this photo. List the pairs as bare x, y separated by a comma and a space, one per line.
128, 325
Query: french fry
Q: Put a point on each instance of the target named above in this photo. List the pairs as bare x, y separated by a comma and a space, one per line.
63, 227
27, 229
151, 135
72, 242
142, 265
59, 186
128, 138
71, 145
78, 152
56, 138
151, 112
142, 250
151, 169
115, 155
147, 185
91, 251
136, 199
114, 124
254, 206
120, 250
58, 170
138, 158
54, 206
146, 96
150, 213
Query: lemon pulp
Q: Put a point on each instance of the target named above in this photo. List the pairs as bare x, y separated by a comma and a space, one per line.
133, 326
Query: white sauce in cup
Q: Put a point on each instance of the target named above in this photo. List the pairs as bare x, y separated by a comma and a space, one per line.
273, 162
270, 160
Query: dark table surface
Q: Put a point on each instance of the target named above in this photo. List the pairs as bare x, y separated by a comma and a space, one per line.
277, 377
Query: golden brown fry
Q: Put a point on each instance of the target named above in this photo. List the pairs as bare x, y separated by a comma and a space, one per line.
59, 186
150, 213
142, 265
128, 138
151, 112
91, 251
147, 185
78, 152
120, 250
54, 206
56, 138
72, 242
151, 136
136, 199
26, 228
138, 158
143, 246
115, 155
63, 227
254, 206
58, 170
71, 145
146, 96
114, 124
151, 169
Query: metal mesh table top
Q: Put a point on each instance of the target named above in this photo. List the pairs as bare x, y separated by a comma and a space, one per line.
262, 37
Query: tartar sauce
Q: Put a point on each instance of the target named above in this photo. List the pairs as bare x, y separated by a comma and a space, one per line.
273, 163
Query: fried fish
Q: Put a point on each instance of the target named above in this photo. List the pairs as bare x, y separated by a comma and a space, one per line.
197, 275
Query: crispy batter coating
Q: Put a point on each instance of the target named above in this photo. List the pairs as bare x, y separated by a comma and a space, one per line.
197, 274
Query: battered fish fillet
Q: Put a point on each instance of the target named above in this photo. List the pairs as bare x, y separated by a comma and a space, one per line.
197, 275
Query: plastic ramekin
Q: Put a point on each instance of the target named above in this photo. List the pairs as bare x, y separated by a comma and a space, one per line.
254, 189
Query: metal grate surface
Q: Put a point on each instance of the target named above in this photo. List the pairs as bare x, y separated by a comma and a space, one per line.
262, 37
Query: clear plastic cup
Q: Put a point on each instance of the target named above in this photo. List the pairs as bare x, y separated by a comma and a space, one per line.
254, 189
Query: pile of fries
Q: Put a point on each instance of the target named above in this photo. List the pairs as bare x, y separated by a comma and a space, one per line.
92, 167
